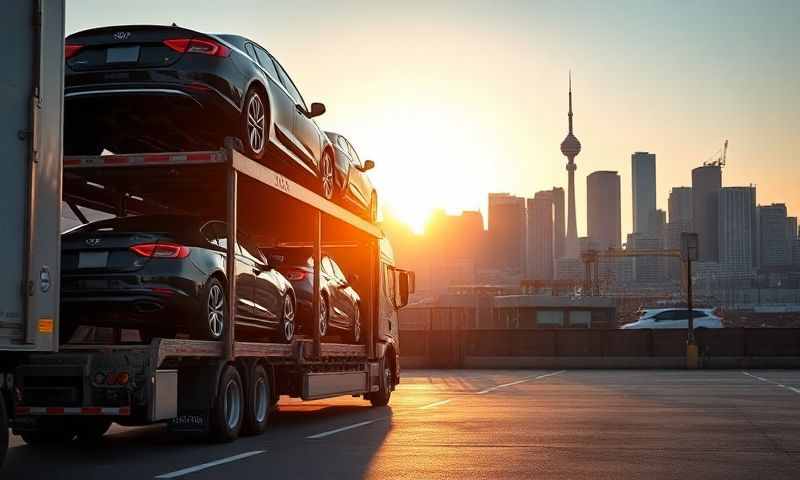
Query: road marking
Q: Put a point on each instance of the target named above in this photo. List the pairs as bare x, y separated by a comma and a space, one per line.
435, 404
197, 468
526, 379
779, 385
343, 429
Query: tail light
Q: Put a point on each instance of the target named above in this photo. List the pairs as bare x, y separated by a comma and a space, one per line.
70, 50
294, 274
717, 312
161, 250
198, 45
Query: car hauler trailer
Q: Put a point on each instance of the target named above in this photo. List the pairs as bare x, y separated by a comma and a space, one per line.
31, 99
227, 387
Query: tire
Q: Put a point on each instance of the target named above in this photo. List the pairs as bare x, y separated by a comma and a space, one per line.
327, 176
258, 404
384, 394
356, 333
324, 316
288, 324
3, 430
255, 124
211, 323
91, 430
227, 414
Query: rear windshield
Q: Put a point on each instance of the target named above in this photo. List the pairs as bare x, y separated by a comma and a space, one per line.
142, 223
291, 256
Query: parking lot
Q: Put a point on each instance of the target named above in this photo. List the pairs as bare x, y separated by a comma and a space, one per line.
482, 424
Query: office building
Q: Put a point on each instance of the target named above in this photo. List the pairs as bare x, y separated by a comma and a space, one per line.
506, 249
646, 269
706, 183
679, 206
540, 236
737, 227
559, 222
603, 209
776, 249
643, 179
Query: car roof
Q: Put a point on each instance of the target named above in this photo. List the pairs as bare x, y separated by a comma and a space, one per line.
654, 311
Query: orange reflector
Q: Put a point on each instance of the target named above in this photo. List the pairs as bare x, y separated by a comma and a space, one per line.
45, 325
122, 378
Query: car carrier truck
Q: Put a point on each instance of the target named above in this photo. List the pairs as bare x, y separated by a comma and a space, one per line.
59, 389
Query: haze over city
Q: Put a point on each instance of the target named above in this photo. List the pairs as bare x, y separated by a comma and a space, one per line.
466, 98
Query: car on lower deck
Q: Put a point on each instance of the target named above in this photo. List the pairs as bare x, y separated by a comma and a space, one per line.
150, 88
352, 182
340, 304
660, 318
165, 275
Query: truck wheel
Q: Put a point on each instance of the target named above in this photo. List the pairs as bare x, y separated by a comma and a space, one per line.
92, 430
259, 402
3, 430
210, 324
381, 397
226, 416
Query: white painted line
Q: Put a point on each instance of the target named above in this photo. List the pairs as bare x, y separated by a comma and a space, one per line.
779, 385
197, 468
343, 429
435, 404
497, 387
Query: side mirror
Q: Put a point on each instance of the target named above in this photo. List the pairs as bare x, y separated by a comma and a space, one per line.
316, 110
368, 165
404, 290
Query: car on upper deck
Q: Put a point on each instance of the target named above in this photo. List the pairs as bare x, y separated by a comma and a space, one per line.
352, 183
659, 318
149, 88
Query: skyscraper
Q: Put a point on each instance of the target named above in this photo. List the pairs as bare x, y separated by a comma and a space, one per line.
506, 234
643, 178
737, 227
679, 207
603, 209
571, 147
706, 183
540, 236
776, 250
559, 222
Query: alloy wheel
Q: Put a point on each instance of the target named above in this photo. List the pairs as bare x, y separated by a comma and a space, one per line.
357, 325
326, 174
288, 318
216, 311
255, 123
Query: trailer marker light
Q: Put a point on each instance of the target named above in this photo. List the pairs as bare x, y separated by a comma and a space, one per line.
122, 378
45, 325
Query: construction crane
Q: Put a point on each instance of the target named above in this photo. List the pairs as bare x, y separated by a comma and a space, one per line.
718, 160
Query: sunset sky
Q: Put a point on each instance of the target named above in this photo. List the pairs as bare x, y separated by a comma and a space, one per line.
454, 99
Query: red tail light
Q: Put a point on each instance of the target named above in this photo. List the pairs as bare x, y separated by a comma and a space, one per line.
70, 50
198, 45
294, 275
161, 250
718, 312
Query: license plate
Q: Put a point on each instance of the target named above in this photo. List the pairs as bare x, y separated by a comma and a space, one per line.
122, 55
92, 259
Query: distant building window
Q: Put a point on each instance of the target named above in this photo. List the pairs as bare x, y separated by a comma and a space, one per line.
549, 318
580, 319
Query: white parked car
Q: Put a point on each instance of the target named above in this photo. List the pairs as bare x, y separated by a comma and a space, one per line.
676, 318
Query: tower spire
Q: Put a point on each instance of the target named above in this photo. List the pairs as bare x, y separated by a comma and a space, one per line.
570, 102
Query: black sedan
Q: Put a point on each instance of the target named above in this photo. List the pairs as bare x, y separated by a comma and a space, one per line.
165, 274
340, 304
145, 88
351, 177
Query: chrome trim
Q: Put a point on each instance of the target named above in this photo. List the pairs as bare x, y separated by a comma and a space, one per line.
128, 90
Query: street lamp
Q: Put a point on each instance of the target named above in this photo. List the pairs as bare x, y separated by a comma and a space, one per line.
689, 253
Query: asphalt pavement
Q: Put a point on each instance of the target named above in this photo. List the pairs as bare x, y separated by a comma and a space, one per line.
515, 424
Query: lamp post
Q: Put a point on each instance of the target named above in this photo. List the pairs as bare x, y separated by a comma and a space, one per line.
689, 248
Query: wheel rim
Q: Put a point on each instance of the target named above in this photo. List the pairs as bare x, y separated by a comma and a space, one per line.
216, 311
255, 123
323, 317
262, 402
357, 325
288, 318
326, 170
233, 404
